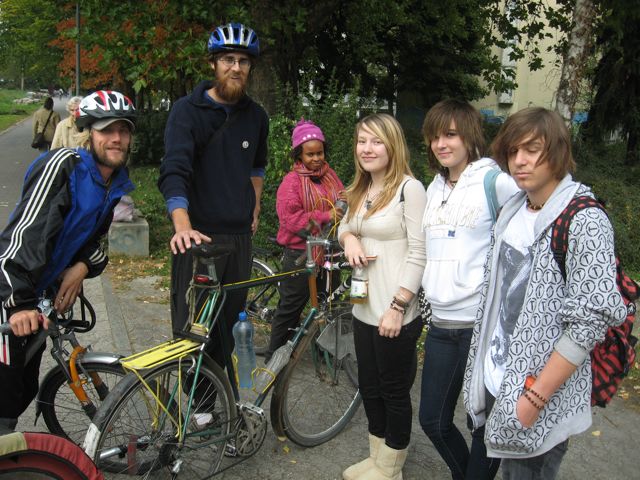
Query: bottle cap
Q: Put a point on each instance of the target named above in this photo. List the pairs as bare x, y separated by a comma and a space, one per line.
242, 316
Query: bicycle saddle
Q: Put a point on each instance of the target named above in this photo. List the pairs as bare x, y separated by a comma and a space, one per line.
207, 250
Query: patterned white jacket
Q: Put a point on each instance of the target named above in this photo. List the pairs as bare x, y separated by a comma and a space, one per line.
569, 318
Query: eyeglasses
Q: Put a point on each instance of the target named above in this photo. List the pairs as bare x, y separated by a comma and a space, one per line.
230, 61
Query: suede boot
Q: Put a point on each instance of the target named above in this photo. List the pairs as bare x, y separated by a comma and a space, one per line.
354, 471
388, 465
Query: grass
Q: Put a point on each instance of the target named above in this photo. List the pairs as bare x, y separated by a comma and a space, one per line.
10, 113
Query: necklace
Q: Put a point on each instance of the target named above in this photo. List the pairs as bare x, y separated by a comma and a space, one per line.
368, 201
532, 206
453, 186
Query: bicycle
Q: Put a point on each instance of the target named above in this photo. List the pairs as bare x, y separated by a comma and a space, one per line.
178, 410
70, 392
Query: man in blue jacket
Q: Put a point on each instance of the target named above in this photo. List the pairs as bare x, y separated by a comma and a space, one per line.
52, 241
212, 172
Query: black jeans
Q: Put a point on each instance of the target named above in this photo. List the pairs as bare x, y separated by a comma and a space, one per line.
294, 294
231, 268
386, 371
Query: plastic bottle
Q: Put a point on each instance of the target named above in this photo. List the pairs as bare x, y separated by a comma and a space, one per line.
243, 336
359, 285
278, 361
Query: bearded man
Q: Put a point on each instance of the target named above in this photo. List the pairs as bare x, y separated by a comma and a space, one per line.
52, 241
213, 169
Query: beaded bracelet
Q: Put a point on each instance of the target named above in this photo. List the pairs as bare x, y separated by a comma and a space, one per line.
539, 407
540, 397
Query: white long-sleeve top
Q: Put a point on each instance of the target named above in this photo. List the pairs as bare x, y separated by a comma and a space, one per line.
394, 235
457, 225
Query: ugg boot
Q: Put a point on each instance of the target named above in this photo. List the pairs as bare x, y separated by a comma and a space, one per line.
388, 465
354, 471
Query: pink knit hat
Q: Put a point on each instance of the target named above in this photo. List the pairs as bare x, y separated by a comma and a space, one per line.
305, 131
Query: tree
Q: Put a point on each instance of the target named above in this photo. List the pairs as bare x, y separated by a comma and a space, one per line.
575, 58
616, 105
26, 29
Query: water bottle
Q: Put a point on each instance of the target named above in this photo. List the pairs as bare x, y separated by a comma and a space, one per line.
243, 336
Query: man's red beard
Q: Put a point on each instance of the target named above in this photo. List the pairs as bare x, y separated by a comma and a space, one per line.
230, 91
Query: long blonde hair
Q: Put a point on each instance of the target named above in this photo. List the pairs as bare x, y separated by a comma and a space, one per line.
389, 131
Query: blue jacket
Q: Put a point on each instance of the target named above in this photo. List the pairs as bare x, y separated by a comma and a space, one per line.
209, 158
64, 210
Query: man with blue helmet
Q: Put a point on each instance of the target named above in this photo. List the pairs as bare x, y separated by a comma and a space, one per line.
213, 169
52, 241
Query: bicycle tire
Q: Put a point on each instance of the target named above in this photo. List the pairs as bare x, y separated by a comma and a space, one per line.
299, 406
61, 410
126, 422
262, 302
32, 455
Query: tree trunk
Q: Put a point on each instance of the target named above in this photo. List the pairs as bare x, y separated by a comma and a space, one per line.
575, 59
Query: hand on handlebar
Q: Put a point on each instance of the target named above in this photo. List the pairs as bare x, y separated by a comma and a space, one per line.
26, 322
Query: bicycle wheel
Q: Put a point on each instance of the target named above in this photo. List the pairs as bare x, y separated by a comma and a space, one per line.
60, 408
317, 394
136, 434
32, 456
262, 302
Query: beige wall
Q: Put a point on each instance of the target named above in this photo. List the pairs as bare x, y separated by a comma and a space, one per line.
535, 88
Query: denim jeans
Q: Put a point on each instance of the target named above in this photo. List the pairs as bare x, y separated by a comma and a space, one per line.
386, 371
542, 467
445, 359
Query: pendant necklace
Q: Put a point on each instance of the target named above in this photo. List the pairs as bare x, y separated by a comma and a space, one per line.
368, 201
453, 186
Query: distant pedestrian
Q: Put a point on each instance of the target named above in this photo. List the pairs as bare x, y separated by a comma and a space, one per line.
45, 120
528, 378
67, 132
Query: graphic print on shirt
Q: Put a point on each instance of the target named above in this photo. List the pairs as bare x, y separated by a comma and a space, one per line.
516, 267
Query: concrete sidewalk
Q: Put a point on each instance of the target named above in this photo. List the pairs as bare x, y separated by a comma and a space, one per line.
134, 315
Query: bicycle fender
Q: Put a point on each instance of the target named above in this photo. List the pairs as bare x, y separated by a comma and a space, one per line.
104, 358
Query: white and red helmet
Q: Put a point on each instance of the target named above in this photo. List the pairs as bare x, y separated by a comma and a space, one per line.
103, 107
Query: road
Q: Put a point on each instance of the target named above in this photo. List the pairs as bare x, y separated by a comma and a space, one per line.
16, 156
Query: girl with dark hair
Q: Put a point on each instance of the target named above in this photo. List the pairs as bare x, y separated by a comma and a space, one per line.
457, 223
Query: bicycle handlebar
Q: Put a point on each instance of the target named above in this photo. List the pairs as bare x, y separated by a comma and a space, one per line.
45, 307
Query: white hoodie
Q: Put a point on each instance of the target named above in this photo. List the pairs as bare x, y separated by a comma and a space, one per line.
457, 224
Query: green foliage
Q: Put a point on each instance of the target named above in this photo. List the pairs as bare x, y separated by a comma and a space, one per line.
148, 148
603, 168
148, 199
336, 112
11, 113
27, 27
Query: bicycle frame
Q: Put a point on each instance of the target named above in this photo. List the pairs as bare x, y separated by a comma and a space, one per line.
195, 336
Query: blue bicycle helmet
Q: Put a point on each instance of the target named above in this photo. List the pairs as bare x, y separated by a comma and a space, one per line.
234, 37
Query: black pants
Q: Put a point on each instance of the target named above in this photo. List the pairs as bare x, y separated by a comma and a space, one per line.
19, 381
294, 294
231, 268
386, 371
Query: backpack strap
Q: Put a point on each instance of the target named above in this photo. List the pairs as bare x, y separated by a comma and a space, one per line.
402, 191
490, 192
560, 229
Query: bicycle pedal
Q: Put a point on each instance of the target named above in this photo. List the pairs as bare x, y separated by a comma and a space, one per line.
230, 450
